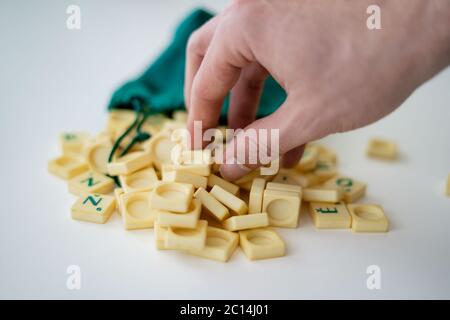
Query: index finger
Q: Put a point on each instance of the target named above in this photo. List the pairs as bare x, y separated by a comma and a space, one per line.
218, 73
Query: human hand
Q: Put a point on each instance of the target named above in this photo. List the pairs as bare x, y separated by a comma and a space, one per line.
338, 74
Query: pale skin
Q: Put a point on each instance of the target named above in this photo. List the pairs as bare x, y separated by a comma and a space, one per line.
338, 74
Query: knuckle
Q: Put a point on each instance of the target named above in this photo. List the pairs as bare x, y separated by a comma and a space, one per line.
194, 44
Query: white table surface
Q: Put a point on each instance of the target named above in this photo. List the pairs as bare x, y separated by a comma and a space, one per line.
52, 80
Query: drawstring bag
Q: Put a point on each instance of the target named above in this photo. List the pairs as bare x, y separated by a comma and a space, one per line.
160, 88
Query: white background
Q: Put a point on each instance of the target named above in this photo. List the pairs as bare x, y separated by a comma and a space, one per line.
53, 79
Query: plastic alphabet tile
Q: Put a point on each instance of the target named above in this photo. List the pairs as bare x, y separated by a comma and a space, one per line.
91, 182
186, 177
322, 194
97, 155
284, 187
129, 163
136, 211
95, 208
282, 207
187, 239
220, 245
330, 215
263, 243
224, 184
67, 166
256, 195
73, 142
160, 147
309, 159
353, 189
247, 221
211, 204
382, 149
172, 196
237, 205
448, 185
160, 236
368, 218
325, 170
187, 220
140, 181
118, 192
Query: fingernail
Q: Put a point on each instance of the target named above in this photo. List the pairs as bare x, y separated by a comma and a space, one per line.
233, 172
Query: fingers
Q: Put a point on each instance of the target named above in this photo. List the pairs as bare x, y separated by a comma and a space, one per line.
292, 157
196, 48
216, 76
288, 128
245, 96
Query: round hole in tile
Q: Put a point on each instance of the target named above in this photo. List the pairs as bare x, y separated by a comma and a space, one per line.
279, 209
98, 157
185, 232
139, 182
170, 190
368, 212
261, 237
138, 207
216, 239
162, 148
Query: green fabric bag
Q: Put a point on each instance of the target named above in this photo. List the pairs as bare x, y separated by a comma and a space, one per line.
160, 87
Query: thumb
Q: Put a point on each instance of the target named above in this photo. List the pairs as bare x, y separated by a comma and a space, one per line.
266, 140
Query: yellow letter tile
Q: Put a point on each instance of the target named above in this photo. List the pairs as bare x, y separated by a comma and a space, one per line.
119, 120
248, 221
294, 177
186, 177
160, 236
216, 180
383, 149
248, 177
322, 194
136, 210
325, 170
97, 155
282, 207
309, 159
220, 245
284, 187
140, 181
326, 154
73, 142
117, 194
180, 116
172, 196
330, 215
448, 185
353, 190
91, 182
229, 200
368, 218
211, 204
67, 166
93, 208
196, 157
129, 163
199, 169
256, 195
187, 239
160, 147
180, 220
261, 243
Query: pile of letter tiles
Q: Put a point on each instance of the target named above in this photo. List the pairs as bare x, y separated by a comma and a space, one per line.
191, 208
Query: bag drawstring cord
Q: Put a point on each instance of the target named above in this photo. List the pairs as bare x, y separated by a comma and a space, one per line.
140, 136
